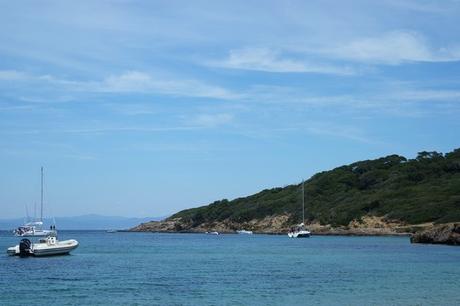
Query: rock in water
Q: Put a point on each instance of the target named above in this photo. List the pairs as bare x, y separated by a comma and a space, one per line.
439, 234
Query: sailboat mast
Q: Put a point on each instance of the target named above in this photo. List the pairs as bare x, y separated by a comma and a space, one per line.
41, 197
303, 202
27, 214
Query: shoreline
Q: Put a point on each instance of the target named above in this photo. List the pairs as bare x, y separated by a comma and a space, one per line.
332, 233
446, 233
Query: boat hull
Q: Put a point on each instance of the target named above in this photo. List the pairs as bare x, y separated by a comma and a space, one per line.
44, 249
300, 234
244, 232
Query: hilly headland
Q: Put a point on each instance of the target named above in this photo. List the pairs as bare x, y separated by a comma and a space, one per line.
392, 195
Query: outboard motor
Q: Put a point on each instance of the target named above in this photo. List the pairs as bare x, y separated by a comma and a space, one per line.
24, 248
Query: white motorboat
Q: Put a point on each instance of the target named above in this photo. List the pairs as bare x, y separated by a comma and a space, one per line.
212, 233
48, 246
244, 232
35, 228
300, 231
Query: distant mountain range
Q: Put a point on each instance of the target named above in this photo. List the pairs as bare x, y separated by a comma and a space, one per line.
84, 222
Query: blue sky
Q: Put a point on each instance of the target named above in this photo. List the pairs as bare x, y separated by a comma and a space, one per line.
143, 108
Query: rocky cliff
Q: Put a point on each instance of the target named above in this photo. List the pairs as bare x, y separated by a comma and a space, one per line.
439, 234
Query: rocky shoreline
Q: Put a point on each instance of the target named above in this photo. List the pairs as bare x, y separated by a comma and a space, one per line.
439, 234
333, 232
276, 225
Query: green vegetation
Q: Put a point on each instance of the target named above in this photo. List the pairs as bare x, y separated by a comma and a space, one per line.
423, 189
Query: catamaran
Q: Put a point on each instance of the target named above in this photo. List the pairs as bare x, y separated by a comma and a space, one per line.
300, 231
35, 228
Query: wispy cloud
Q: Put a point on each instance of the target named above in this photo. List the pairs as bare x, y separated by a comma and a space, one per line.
393, 48
132, 108
128, 82
61, 150
12, 75
388, 98
421, 6
136, 81
99, 130
268, 60
79, 156
340, 131
429, 95
112, 129
33, 99
17, 108
212, 120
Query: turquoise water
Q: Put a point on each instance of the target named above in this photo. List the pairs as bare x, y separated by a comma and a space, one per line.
195, 269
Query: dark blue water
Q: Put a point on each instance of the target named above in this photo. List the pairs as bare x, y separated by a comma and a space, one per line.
195, 269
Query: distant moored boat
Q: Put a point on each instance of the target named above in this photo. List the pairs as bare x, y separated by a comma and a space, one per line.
300, 231
35, 228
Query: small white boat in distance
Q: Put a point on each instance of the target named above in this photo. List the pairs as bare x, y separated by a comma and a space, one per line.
48, 246
212, 233
299, 232
244, 232
111, 231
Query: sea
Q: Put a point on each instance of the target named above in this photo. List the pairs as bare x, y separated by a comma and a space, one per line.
197, 269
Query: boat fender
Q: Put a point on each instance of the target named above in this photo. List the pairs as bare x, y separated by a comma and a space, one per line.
24, 247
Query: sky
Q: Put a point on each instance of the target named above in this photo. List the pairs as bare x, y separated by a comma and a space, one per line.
144, 108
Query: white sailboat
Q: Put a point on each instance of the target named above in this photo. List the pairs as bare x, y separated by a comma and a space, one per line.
300, 231
35, 228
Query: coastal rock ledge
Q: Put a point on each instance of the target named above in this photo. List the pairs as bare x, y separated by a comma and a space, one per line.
280, 224
440, 234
